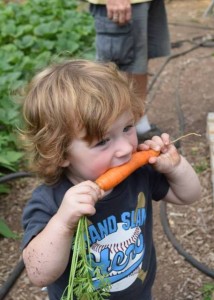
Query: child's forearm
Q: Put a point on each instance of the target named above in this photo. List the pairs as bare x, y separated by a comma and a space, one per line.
185, 187
46, 256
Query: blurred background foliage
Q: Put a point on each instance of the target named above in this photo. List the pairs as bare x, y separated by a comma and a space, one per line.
33, 34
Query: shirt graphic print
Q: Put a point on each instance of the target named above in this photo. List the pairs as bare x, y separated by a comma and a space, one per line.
118, 248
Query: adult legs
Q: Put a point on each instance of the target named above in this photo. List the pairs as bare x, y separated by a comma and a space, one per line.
143, 126
131, 45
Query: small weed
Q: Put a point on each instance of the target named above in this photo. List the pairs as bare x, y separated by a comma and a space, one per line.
208, 291
194, 150
201, 166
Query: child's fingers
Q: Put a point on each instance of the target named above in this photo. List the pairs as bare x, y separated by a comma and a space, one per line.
154, 140
142, 147
88, 188
86, 209
155, 144
78, 201
153, 160
165, 138
90, 198
159, 143
94, 190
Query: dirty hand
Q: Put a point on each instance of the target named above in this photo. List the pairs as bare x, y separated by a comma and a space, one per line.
119, 11
169, 157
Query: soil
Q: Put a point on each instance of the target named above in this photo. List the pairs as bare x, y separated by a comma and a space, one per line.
178, 103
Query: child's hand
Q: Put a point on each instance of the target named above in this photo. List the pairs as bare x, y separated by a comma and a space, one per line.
169, 156
77, 202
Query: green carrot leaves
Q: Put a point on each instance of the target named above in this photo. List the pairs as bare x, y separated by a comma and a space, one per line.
82, 272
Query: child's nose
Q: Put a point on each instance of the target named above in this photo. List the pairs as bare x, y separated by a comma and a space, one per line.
124, 147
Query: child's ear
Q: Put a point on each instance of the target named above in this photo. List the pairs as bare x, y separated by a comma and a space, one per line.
65, 163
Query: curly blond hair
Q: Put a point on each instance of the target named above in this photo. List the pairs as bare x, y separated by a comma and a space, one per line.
66, 98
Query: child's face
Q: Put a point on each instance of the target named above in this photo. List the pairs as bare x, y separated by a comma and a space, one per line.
88, 162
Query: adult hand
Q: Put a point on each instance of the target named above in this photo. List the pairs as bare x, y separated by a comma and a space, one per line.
119, 11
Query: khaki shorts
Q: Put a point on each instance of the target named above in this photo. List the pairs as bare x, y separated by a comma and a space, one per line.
130, 46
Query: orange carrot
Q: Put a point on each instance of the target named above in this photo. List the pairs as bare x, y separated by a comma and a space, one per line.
114, 176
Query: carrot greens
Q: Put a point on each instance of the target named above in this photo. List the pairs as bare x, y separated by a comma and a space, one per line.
80, 283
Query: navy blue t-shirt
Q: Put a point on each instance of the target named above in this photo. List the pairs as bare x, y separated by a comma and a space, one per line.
120, 232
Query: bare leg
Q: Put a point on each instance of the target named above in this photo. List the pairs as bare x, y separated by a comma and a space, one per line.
141, 83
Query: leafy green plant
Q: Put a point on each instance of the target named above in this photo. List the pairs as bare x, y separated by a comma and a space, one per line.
33, 34
8, 144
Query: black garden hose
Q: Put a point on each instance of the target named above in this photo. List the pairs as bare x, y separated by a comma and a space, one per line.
14, 176
164, 221
15, 274
163, 206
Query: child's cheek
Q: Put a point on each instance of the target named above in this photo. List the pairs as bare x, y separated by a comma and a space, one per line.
102, 165
135, 142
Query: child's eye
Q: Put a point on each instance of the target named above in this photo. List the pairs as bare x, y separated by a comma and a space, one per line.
127, 128
102, 142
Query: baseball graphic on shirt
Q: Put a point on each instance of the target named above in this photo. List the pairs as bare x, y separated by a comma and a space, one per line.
121, 253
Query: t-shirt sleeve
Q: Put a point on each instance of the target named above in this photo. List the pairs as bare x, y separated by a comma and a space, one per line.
158, 184
37, 213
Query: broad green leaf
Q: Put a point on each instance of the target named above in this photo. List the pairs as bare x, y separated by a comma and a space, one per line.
6, 231
9, 159
11, 156
23, 29
47, 29
9, 28
25, 42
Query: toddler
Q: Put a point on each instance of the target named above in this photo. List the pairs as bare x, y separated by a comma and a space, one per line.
80, 120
